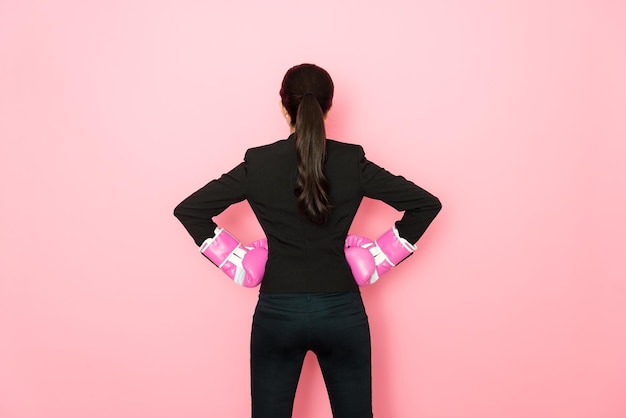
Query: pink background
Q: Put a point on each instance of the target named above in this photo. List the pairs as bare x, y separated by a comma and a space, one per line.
513, 113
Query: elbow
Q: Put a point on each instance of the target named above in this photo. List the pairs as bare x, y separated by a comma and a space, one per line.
179, 211
433, 205
437, 205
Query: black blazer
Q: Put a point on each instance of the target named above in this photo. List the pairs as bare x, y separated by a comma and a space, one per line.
305, 257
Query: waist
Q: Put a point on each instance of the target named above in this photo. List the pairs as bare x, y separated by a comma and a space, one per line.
307, 302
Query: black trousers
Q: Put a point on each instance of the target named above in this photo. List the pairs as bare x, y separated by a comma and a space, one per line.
334, 326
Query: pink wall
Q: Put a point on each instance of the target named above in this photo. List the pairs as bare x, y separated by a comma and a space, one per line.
513, 113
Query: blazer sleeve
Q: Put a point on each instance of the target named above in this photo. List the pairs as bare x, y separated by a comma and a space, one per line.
197, 211
419, 206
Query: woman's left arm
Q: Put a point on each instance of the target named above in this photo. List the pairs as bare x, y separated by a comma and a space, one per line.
197, 211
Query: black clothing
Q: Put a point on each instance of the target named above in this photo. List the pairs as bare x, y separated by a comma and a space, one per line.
309, 299
332, 325
305, 257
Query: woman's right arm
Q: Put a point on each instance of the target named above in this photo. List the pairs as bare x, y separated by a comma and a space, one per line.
420, 207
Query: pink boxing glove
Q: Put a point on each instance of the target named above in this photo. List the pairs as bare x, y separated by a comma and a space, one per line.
370, 260
361, 261
389, 250
245, 265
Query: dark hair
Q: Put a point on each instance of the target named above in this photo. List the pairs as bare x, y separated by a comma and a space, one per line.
307, 94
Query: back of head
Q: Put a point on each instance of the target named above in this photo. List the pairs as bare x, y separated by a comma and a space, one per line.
307, 95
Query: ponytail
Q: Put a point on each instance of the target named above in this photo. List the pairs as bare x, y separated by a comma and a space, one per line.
312, 188
307, 94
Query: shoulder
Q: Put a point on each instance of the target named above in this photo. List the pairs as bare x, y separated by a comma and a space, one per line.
344, 147
264, 150
336, 150
285, 146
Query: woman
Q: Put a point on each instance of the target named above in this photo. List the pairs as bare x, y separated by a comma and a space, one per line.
305, 191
